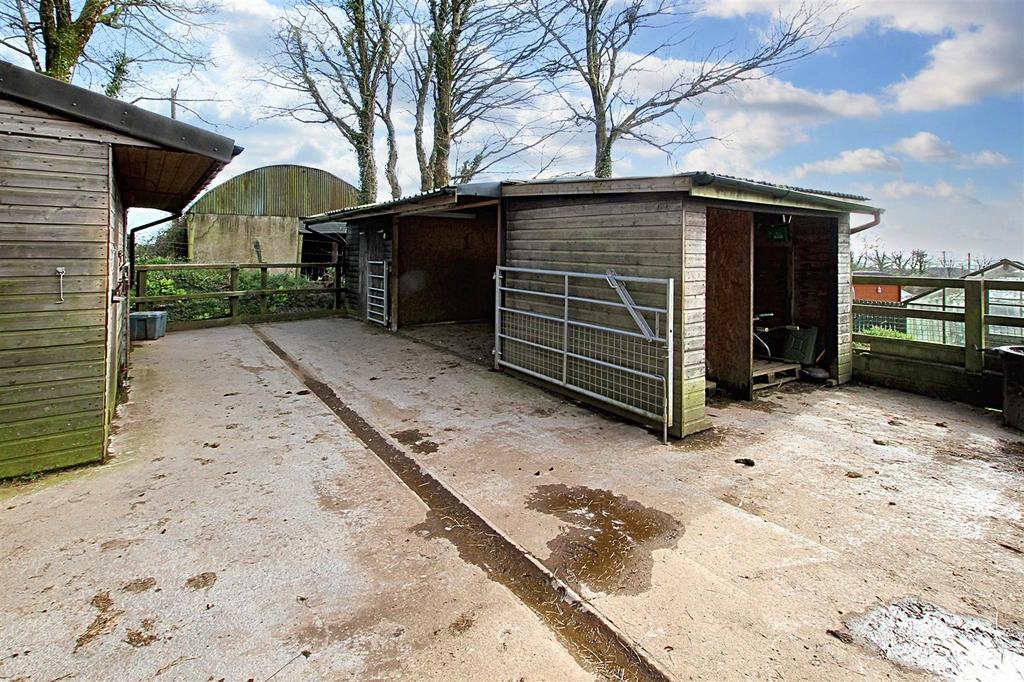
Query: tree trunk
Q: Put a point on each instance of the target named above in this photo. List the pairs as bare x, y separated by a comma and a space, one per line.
366, 159
602, 151
391, 170
442, 132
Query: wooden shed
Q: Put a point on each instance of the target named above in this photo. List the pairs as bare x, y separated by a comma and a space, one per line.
71, 163
634, 293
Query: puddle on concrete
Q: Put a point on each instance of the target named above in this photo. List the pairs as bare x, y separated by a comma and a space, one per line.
609, 538
416, 440
918, 634
595, 643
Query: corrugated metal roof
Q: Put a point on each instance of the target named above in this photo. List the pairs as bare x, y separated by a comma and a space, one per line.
286, 190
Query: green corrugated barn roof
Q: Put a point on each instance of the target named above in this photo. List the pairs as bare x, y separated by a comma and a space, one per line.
285, 190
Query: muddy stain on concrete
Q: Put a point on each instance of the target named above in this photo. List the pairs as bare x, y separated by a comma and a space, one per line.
1007, 456
416, 440
201, 581
705, 440
143, 635
139, 585
921, 635
103, 623
112, 545
609, 538
594, 642
462, 624
329, 499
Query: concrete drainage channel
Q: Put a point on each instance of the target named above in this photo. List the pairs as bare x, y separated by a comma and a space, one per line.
594, 641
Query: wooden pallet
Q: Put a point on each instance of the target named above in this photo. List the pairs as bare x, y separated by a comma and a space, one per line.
770, 373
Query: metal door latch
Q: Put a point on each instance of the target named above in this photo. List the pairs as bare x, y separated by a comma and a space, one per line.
60, 273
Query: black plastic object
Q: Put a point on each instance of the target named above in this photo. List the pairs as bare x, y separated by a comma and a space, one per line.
1013, 385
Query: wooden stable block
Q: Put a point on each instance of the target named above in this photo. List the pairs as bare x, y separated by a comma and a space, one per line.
769, 373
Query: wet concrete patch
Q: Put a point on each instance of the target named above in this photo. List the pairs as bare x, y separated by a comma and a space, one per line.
918, 634
416, 440
609, 538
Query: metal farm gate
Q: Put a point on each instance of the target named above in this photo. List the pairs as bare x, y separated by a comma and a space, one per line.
585, 332
377, 292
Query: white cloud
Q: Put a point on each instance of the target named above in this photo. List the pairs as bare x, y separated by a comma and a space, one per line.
852, 161
964, 69
983, 159
902, 189
925, 146
928, 147
761, 118
983, 35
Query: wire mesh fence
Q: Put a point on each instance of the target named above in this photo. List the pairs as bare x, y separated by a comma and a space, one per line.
576, 330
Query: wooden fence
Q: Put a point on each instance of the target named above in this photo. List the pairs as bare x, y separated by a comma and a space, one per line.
967, 371
234, 295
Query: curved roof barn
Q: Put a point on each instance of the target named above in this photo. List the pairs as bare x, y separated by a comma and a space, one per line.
284, 190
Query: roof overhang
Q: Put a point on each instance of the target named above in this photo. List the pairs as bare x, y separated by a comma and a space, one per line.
698, 184
708, 186
172, 162
464, 196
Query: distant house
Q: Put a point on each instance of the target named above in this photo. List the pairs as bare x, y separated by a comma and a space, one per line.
254, 217
890, 293
948, 299
71, 163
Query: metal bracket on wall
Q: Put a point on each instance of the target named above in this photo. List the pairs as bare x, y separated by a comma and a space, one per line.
60, 273
627, 300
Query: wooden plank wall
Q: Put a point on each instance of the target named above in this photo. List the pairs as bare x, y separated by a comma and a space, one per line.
843, 370
730, 299
691, 324
54, 212
353, 277
815, 279
637, 235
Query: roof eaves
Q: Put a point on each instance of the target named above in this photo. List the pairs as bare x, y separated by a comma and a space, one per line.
105, 112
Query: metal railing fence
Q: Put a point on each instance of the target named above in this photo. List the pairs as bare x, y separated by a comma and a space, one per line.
586, 333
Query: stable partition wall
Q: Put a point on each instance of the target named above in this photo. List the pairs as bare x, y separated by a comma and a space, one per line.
730, 300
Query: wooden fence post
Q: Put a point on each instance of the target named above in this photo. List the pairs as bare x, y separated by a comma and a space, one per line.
264, 283
974, 324
140, 287
337, 281
235, 308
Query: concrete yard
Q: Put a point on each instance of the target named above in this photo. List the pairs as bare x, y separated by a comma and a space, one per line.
241, 531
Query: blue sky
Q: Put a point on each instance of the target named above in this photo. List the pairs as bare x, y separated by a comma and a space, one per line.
919, 106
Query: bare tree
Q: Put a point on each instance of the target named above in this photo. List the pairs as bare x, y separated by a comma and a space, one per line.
475, 62
113, 37
331, 57
597, 46
920, 261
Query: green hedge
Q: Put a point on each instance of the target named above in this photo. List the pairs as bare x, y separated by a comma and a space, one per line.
199, 280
